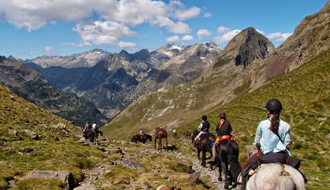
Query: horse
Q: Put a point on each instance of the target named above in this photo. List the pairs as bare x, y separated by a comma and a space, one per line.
204, 145
276, 176
227, 152
194, 135
187, 134
139, 138
89, 134
160, 133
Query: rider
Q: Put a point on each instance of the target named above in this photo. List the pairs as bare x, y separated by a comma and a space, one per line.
223, 129
272, 136
87, 127
204, 127
95, 127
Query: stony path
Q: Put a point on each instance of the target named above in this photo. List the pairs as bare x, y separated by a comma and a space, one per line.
90, 182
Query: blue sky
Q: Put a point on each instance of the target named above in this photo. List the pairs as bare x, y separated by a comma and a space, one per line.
32, 28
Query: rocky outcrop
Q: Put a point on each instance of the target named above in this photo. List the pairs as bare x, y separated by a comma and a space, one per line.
63, 176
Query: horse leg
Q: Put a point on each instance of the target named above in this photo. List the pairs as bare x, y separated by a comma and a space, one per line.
160, 144
220, 169
166, 144
203, 158
198, 153
226, 173
155, 141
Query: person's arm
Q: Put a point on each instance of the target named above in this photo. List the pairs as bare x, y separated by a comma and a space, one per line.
258, 135
217, 127
287, 138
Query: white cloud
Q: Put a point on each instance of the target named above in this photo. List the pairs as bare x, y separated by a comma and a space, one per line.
107, 32
177, 28
203, 33
278, 37
127, 45
207, 15
48, 48
173, 39
222, 30
187, 14
34, 14
225, 35
260, 31
187, 38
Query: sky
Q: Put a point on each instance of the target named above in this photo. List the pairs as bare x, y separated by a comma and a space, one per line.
33, 28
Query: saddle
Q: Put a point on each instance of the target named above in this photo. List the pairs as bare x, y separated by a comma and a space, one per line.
224, 137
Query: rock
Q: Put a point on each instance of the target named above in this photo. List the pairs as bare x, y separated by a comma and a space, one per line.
61, 126
117, 181
32, 134
63, 176
328, 136
167, 187
12, 132
86, 186
194, 176
132, 164
251, 149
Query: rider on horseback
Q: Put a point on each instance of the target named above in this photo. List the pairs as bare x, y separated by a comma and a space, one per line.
141, 134
272, 140
223, 129
87, 127
204, 127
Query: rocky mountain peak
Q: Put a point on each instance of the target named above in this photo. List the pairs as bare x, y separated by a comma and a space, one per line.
248, 46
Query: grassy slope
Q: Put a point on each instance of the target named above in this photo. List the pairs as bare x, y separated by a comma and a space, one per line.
17, 157
305, 95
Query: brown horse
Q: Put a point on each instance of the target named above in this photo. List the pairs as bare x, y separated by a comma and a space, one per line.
160, 134
187, 134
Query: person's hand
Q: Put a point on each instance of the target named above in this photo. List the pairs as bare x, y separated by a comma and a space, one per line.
288, 146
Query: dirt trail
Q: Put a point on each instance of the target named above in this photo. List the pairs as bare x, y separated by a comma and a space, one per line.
92, 176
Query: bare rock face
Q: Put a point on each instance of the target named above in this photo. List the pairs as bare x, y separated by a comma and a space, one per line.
32, 134
132, 164
63, 176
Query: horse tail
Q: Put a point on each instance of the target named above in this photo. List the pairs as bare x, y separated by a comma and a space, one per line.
235, 166
285, 182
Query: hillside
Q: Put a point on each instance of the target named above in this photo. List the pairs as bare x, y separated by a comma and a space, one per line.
32, 86
305, 95
56, 146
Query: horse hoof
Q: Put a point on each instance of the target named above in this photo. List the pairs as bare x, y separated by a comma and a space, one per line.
219, 178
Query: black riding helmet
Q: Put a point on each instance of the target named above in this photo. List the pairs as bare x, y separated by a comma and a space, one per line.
274, 105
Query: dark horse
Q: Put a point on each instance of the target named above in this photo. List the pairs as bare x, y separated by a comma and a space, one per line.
204, 144
227, 159
89, 134
160, 134
139, 138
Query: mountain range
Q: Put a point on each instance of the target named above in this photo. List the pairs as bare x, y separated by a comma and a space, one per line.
119, 78
32, 86
248, 62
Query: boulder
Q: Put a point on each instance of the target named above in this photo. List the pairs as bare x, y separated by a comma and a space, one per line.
32, 134
63, 176
132, 164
